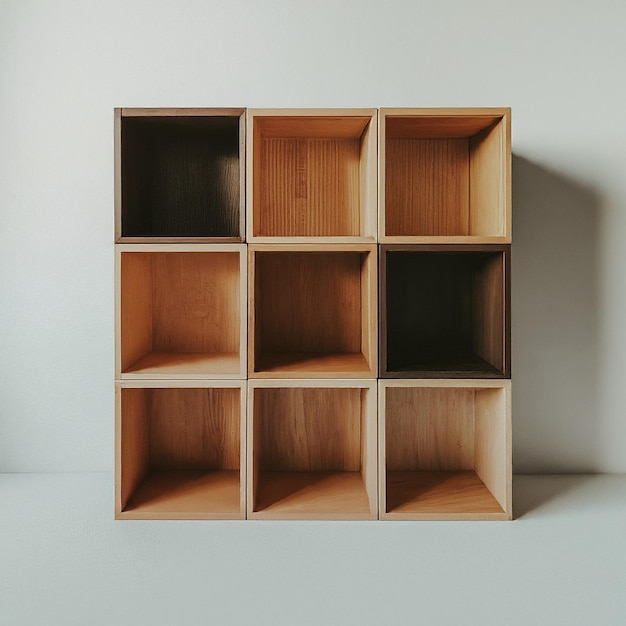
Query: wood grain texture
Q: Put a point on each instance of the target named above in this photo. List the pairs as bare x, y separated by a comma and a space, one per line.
308, 188
133, 441
180, 176
196, 302
445, 449
312, 495
186, 495
312, 123
181, 450
308, 301
427, 187
312, 449
489, 305
182, 302
439, 495
134, 328
488, 200
438, 126
194, 429
312, 174
492, 459
309, 429
429, 429
445, 174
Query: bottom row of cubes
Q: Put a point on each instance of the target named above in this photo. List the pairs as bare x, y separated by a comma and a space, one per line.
280, 449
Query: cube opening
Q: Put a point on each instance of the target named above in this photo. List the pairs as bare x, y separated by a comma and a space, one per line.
180, 452
312, 176
180, 314
313, 453
445, 176
312, 312
446, 314
181, 177
445, 451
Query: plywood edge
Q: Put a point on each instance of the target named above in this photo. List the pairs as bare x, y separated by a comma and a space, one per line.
312, 247
243, 118
445, 517
250, 186
182, 112
179, 240
312, 112
149, 515
182, 247
447, 239
321, 517
298, 241
117, 175
203, 383
444, 111
304, 375
330, 383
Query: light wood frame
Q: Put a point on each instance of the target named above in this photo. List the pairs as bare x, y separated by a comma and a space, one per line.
125, 112
207, 493
460, 446
304, 141
296, 491
135, 331
462, 155
362, 363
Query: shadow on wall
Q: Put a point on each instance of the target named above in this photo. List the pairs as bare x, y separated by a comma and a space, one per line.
555, 317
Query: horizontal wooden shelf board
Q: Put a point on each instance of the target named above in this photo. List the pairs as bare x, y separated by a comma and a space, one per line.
312, 495
434, 493
175, 240
443, 239
158, 364
312, 362
461, 366
188, 493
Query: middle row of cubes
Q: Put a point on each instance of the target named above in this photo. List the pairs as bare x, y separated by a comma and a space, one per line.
313, 311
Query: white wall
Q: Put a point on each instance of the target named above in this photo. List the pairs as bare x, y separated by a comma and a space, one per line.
65, 65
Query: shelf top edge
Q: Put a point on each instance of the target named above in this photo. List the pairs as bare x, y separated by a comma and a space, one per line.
328, 383
444, 111
180, 247
181, 112
309, 112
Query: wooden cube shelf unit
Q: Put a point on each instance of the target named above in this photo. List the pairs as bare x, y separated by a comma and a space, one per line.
312, 311
180, 175
182, 311
313, 314
445, 449
444, 311
312, 449
312, 175
445, 176
180, 450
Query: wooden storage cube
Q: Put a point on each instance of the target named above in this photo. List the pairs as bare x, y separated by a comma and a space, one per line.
182, 311
312, 174
312, 452
445, 449
445, 311
180, 174
180, 451
445, 175
312, 311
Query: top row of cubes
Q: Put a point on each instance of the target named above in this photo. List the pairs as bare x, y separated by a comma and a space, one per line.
441, 175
